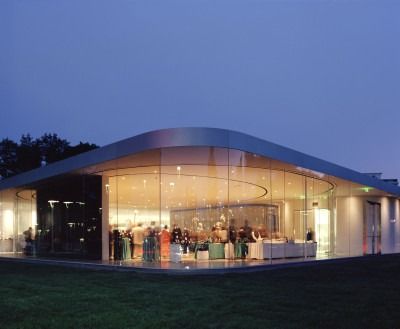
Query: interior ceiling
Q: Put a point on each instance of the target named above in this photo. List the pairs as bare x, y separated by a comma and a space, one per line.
200, 186
203, 175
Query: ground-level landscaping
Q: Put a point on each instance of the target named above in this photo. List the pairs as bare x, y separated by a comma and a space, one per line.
360, 293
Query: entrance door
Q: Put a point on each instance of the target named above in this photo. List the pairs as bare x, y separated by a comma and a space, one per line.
372, 228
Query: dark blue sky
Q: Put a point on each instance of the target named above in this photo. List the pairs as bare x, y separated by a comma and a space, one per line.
322, 77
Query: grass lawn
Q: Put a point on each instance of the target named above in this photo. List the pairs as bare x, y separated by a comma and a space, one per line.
361, 293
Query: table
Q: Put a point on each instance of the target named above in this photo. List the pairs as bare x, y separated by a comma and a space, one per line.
175, 253
126, 249
281, 249
202, 255
274, 249
216, 250
256, 250
201, 251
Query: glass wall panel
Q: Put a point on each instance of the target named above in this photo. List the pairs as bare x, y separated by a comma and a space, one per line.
194, 204
69, 217
132, 199
257, 219
279, 239
297, 206
26, 222
110, 208
138, 212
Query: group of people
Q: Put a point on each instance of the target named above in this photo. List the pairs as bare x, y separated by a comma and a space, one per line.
147, 243
152, 243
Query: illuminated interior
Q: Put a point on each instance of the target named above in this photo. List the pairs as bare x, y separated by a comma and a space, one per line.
193, 204
209, 192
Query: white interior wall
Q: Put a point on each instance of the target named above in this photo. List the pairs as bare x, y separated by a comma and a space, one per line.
356, 222
7, 219
397, 225
342, 236
386, 234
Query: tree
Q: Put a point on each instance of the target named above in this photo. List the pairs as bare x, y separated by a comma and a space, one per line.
8, 158
80, 148
52, 148
29, 153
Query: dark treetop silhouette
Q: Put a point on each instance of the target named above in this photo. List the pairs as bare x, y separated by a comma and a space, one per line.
32, 153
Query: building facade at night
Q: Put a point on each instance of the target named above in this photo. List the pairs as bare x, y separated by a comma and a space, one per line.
197, 195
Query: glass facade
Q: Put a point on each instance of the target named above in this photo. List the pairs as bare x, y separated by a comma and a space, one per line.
197, 204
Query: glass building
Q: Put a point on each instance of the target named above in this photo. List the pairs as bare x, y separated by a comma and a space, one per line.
197, 196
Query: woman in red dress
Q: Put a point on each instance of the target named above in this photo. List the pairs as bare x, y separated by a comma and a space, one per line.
164, 241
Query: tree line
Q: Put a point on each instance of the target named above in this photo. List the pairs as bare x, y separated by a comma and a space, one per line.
32, 153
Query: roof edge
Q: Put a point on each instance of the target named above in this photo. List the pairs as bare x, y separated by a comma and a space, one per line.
194, 136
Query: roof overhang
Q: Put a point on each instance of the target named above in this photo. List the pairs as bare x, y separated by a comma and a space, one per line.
176, 137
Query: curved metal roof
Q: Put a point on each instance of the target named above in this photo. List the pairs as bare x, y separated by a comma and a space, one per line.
175, 137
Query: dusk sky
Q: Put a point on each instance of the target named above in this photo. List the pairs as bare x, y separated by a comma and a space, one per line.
322, 77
